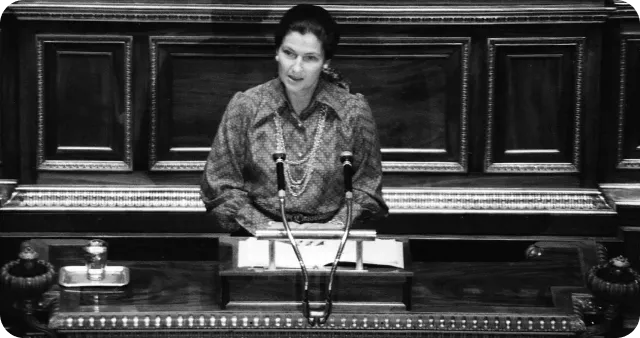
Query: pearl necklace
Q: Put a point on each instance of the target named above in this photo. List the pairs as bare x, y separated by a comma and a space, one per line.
297, 187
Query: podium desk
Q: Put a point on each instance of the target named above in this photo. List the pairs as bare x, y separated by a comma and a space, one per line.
450, 299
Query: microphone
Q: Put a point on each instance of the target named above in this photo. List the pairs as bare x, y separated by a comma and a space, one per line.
346, 157
279, 158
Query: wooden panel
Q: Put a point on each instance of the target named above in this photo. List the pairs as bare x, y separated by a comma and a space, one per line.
84, 103
534, 106
417, 88
2, 94
628, 133
9, 105
192, 81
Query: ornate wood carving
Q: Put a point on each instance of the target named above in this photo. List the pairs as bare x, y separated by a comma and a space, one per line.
400, 201
246, 320
513, 201
349, 14
78, 156
338, 333
108, 198
628, 145
541, 160
418, 58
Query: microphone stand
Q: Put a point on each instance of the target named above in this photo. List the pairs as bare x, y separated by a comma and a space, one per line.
305, 297
328, 302
318, 317
346, 157
279, 159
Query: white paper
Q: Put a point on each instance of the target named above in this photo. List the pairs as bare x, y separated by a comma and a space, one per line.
255, 253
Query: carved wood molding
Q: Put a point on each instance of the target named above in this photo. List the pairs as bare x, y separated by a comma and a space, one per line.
513, 201
247, 320
400, 201
623, 10
624, 163
178, 166
6, 189
449, 167
574, 167
622, 195
107, 198
43, 164
348, 14
582, 305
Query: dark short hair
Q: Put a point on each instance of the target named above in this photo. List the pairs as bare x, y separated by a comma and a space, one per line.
306, 18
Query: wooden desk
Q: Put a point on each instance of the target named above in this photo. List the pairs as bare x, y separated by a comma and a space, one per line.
452, 298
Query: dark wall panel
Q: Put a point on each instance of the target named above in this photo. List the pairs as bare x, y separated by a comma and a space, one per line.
3, 93
628, 138
192, 81
417, 88
84, 103
535, 105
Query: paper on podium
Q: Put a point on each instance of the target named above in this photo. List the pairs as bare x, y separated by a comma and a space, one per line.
255, 253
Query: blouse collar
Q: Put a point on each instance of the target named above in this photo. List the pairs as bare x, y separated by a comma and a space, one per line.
325, 93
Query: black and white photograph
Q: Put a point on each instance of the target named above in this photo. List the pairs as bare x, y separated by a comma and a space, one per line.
311, 169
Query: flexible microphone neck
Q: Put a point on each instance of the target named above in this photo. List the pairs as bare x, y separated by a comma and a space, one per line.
279, 158
346, 157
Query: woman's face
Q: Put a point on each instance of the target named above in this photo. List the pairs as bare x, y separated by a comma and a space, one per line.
300, 60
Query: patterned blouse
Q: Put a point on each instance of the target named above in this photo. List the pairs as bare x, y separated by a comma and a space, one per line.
239, 185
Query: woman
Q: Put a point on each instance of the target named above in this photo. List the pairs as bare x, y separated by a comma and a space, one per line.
308, 115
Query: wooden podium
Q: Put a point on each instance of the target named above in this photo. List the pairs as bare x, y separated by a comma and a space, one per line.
357, 287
